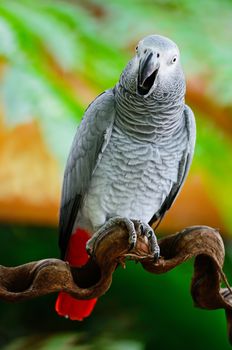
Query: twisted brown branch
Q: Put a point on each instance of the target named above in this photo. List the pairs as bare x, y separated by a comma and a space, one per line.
94, 279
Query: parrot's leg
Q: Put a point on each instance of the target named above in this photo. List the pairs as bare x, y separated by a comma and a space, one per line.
146, 230
132, 226
104, 230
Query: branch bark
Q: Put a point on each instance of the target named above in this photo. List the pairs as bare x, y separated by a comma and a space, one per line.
94, 279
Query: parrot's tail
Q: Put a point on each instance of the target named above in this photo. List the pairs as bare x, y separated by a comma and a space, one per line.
76, 255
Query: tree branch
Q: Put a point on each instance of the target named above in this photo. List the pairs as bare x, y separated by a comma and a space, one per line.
94, 279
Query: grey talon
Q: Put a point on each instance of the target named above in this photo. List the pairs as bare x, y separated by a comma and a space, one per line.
103, 231
147, 231
89, 247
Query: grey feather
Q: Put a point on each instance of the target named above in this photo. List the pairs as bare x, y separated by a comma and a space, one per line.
90, 140
184, 165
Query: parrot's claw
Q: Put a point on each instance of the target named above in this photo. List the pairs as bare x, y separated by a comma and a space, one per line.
131, 246
103, 231
132, 226
147, 231
89, 247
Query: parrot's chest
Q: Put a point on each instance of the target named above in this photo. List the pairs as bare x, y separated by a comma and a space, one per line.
131, 180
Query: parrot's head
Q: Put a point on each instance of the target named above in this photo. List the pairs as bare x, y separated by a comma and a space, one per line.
155, 69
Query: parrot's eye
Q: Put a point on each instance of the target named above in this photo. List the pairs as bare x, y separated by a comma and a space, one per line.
136, 49
174, 59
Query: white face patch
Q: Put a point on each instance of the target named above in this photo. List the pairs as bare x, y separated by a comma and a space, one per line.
164, 49
169, 60
165, 57
155, 68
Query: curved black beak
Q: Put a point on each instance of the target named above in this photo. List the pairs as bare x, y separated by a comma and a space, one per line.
148, 70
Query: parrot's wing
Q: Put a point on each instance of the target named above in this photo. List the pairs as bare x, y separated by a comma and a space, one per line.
184, 166
91, 138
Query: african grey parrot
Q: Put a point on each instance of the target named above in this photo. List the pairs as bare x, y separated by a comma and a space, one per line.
129, 158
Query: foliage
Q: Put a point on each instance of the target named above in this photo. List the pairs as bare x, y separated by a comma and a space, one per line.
34, 35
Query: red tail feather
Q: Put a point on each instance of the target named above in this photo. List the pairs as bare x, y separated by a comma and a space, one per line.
76, 255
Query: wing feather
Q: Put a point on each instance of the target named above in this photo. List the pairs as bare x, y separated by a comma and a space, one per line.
92, 136
184, 166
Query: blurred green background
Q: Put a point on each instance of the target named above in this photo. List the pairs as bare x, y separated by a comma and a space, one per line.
55, 57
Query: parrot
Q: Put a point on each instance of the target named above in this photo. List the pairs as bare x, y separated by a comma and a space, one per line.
129, 159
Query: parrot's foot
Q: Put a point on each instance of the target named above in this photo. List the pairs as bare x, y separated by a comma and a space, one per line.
103, 231
132, 226
147, 231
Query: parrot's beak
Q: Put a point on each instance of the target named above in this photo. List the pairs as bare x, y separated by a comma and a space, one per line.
148, 70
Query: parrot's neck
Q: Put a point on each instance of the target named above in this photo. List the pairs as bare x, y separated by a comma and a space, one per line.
150, 119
